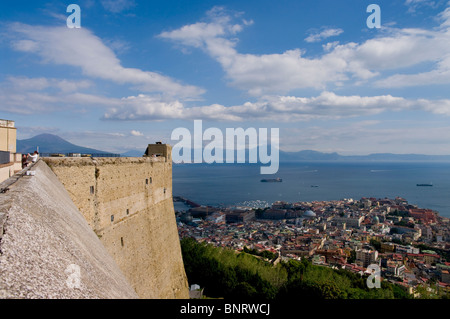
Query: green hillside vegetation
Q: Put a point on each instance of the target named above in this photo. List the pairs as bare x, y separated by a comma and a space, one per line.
229, 274
225, 273
264, 254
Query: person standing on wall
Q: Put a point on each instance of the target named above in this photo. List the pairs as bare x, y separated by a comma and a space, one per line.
33, 158
24, 161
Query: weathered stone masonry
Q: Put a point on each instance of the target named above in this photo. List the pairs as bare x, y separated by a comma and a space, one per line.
128, 203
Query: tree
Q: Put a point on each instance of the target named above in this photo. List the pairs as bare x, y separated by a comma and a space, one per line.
245, 290
352, 258
376, 244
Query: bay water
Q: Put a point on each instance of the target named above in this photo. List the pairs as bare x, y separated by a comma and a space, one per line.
240, 184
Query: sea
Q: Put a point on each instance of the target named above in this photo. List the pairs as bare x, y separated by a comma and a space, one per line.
227, 185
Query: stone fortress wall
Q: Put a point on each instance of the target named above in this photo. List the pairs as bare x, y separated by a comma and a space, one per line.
47, 249
128, 203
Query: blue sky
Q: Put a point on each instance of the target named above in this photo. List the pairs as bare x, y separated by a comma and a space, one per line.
136, 70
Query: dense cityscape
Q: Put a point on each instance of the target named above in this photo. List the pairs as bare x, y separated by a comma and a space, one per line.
409, 244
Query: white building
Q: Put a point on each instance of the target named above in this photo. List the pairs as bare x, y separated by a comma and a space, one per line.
10, 161
350, 222
365, 257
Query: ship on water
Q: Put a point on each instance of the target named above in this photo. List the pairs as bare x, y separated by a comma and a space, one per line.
272, 180
425, 184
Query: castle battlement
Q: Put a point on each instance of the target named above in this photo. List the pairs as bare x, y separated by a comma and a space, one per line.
159, 150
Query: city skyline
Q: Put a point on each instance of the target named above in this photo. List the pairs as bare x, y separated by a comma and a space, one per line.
135, 71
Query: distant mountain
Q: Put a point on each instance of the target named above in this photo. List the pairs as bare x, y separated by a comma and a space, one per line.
49, 143
399, 157
308, 155
311, 156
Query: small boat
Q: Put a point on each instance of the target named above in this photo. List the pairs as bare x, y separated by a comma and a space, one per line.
272, 180
314, 185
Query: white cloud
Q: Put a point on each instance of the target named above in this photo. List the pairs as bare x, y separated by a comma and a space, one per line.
145, 107
136, 133
317, 37
117, 45
81, 48
257, 74
38, 84
326, 106
413, 5
25, 45
195, 34
349, 63
40, 95
24, 95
